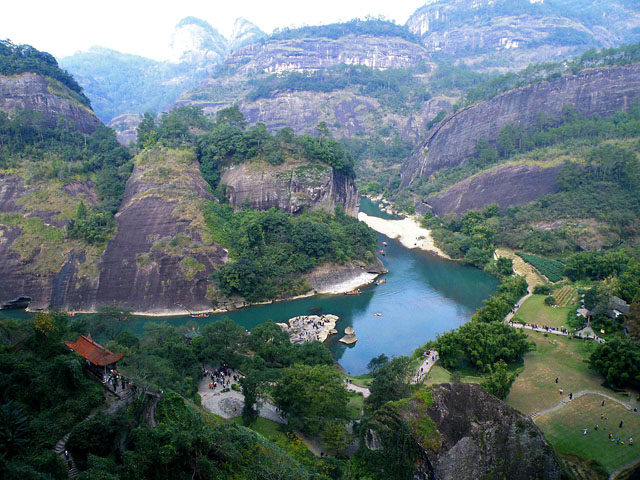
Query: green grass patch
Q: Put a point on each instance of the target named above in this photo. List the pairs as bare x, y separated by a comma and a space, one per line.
535, 311
267, 428
364, 380
555, 356
354, 407
564, 430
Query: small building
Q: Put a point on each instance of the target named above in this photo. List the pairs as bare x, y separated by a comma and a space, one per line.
99, 359
616, 307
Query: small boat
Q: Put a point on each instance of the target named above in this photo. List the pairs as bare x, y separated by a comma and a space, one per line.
381, 252
381, 281
384, 244
72, 314
378, 314
357, 291
199, 315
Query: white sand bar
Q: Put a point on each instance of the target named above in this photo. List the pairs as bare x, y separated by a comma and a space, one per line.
408, 231
361, 279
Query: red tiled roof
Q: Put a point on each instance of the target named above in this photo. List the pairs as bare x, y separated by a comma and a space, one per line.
94, 352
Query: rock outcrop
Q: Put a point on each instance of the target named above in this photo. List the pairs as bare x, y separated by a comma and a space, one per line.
505, 185
459, 432
52, 102
500, 34
308, 54
292, 186
161, 257
601, 91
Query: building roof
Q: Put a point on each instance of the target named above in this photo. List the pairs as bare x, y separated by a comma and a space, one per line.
93, 351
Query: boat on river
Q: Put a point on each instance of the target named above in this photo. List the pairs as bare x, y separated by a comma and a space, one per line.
357, 291
199, 315
381, 281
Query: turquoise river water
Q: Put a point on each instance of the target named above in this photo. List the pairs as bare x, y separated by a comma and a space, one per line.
423, 296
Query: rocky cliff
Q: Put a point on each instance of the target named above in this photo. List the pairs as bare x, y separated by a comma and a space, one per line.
306, 54
161, 257
292, 186
601, 91
51, 101
505, 185
458, 432
507, 34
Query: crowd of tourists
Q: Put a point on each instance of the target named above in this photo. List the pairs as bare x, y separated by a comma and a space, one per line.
221, 377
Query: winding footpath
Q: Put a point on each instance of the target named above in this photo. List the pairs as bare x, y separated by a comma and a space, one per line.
581, 393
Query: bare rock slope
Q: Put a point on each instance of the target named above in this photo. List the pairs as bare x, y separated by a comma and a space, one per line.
601, 91
460, 432
34, 93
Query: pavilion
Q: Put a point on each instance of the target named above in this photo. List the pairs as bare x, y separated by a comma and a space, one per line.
99, 359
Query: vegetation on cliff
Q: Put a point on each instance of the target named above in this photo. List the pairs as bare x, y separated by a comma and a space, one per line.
16, 59
271, 249
369, 26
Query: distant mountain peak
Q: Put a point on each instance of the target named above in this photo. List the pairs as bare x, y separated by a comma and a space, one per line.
195, 41
244, 33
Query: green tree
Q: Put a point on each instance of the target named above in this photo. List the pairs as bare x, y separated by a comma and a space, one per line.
147, 131
632, 320
376, 363
221, 341
111, 320
498, 381
391, 382
311, 396
619, 361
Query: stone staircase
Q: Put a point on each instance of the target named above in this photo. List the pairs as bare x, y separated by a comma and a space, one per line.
60, 448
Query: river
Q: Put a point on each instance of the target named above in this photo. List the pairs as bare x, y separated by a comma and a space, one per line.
423, 296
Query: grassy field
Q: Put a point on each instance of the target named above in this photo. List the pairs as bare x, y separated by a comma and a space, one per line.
535, 311
267, 428
354, 407
564, 430
364, 380
555, 356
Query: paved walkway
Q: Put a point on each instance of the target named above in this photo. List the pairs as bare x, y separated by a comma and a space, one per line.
511, 314
579, 394
229, 404
355, 388
429, 361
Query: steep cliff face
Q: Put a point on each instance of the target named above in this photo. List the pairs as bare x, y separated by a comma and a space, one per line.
507, 34
601, 91
462, 432
161, 257
48, 98
37, 260
504, 185
292, 186
314, 53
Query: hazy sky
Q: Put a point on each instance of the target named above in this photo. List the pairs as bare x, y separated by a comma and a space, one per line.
144, 27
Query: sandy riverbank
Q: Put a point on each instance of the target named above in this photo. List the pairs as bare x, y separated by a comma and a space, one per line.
408, 231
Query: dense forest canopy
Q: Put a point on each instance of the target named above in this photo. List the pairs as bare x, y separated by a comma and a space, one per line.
16, 59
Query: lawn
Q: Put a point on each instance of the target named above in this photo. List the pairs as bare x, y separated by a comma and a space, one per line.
267, 428
564, 430
364, 380
555, 356
354, 407
535, 311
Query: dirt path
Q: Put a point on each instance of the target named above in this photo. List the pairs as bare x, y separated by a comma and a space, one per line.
522, 268
355, 388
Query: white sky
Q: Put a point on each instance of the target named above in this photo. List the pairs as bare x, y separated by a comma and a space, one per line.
144, 27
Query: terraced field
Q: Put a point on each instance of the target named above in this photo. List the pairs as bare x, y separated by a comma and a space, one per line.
565, 296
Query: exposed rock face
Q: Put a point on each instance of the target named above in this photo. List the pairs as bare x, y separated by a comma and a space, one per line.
504, 185
495, 32
35, 93
161, 257
292, 187
37, 261
601, 91
195, 41
462, 432
126, 127
315, 53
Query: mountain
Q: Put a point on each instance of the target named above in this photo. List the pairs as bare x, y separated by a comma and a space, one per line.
510, 34
119, 83
244, 33
194, 41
